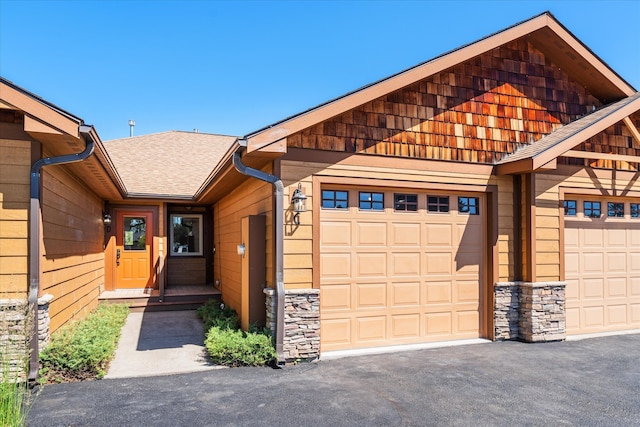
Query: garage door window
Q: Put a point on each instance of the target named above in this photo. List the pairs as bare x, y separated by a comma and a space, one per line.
615, 210
592, 209
468, 205
371, 201
570, 207
438, 204
333, 199
635, 210
405, 202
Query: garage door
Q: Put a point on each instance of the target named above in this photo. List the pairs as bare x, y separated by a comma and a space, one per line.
602, 265
399, 267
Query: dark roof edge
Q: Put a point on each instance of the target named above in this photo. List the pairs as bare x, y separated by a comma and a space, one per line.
41, 100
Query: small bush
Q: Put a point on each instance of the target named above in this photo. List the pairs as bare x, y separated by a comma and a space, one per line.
237, 348
227, 344
84, 349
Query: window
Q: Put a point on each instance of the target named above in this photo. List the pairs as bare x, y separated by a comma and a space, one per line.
635, 210
615, 209
437, 203
592, 209
570, 207
333, 199
135, 233
186, 235
371, 201
468, 205
405, 202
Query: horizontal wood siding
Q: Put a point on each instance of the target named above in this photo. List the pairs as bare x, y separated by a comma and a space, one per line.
186, 271
477, 111
549, 216
252, 197
15, 164
298, 240
72, 248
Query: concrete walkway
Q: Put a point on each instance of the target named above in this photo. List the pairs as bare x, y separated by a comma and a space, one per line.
160, 343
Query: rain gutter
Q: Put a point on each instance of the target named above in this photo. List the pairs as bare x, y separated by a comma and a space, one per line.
278, 219
34, 234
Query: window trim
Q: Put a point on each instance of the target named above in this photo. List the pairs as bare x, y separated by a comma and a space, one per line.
439, 205
567, 209
334, 207
616, 204
593, 202
406, 203
473, 209
371, 201
200, 217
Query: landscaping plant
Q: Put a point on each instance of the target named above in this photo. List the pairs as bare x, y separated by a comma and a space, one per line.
83, 349
228, 345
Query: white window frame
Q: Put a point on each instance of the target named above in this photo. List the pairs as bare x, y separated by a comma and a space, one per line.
200, 218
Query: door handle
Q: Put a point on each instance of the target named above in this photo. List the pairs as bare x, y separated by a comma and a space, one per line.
117, 257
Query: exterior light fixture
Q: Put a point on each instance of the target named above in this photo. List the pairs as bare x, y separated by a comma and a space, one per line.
106, 219
298, 203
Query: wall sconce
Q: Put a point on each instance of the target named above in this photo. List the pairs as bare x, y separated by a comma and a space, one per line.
298, 203
106, 219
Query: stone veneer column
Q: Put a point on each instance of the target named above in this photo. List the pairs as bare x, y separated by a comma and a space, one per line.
301, 323
44, 320
505, 310
15, 333
542, 311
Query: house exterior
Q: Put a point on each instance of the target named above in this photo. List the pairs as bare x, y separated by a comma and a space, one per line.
490, 192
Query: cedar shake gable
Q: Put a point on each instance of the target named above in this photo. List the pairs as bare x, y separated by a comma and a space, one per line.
479, 103
584, 132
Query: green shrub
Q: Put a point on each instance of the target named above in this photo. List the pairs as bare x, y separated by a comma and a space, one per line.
216, 314
83, 349
227, 344
237, 348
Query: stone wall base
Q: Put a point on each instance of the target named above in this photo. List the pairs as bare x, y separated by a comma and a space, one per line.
529, 311
16, 329
301, 323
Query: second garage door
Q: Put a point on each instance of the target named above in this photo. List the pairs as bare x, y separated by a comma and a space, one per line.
399, 267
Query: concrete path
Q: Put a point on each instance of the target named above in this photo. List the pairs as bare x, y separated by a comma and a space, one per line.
592, 382
160, 343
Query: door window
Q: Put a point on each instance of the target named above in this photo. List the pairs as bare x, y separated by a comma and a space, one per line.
135, 233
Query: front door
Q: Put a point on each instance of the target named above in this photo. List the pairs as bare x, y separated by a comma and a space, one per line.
133, 249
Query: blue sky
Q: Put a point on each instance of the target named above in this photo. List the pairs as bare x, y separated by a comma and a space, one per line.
234, 67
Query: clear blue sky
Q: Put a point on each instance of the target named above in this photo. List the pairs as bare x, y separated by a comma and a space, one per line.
234, 67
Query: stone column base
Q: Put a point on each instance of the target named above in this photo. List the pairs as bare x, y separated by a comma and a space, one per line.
301, 323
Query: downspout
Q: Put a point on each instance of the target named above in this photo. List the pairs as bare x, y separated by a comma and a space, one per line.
278, 219
34, 235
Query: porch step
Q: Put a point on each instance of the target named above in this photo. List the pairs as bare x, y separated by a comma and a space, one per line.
176, 299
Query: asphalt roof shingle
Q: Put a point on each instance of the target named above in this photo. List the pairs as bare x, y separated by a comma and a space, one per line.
167, 164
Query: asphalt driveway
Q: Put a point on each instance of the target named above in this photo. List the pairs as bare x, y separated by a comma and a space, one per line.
593, 382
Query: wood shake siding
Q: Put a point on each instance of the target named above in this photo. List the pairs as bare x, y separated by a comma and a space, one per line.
477, 111
15, 163
72, 250
253, 197
616, 139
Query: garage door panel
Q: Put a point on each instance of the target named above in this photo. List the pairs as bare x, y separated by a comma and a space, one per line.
371, 264
572, 263
573, 318
617, 314
572, 291
571, 237
468, 321
336, 332
468, 263
468, 236
593, 263
616, 262
634, 238
405, 234
438, 263
336, 265
371, 234
635, 314
405, 326
371, 328
335, 297
405, 264
333, 233
635, 287
438, 323
438, 293
617, 287
371, 295
635, 263
405, 294
468, 291
593, 316
592, 238
439, 235
592, 289
616, 238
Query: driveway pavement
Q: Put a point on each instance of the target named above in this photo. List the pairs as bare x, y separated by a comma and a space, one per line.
593, 382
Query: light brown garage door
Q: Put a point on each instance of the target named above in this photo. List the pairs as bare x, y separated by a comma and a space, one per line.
602, 265
399, 267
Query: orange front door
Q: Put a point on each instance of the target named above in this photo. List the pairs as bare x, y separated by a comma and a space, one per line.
133, 249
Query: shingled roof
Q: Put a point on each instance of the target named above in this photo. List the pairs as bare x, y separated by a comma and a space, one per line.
170, 164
